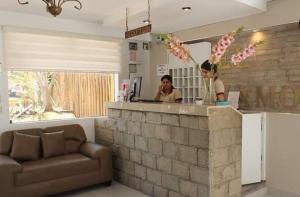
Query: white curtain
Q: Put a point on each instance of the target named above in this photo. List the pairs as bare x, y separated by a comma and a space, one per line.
34, 50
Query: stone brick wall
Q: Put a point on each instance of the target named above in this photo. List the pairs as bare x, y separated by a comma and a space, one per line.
225, 147
171, 155
270, 81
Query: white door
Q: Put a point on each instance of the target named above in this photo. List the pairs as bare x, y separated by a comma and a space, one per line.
251, 148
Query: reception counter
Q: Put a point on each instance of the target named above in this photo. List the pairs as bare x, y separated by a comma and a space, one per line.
175, 149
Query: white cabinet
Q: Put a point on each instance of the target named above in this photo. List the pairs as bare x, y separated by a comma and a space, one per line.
187, 81
252, 146
186, 77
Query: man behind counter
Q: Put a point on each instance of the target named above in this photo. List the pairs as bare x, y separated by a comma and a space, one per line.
166, 91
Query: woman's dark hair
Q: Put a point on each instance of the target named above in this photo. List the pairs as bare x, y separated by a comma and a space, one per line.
168, 77
208, 66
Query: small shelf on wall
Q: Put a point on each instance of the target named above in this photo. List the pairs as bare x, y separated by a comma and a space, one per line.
134, 63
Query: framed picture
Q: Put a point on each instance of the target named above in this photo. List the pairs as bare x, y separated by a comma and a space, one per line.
132, 68
145, 45
133, 46
132, 56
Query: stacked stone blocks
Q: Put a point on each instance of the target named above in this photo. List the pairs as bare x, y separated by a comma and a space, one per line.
174, 155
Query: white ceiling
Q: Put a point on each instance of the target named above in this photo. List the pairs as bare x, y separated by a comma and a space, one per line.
166, 15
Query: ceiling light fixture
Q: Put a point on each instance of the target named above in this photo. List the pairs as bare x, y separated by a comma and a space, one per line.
186, 8
148, 21
55, 7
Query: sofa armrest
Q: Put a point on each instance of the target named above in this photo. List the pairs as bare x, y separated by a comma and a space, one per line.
8, 169
103, 154
94, 151
7, 164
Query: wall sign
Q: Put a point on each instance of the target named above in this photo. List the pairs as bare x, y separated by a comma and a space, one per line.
233, 98
162, 70
138, 31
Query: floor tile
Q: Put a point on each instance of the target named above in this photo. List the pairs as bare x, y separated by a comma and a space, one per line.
115, 190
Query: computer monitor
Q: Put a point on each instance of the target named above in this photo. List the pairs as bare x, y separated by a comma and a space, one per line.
135, 87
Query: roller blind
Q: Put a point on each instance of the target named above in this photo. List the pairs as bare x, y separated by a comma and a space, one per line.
33, 50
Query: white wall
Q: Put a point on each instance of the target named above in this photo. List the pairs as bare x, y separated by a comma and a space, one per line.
158, 55
283, 154
143, 69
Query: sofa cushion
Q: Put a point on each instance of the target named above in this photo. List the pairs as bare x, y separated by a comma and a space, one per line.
6, 139
55, 168
25, 147
53, 144
74, 132
72, 146
74, 136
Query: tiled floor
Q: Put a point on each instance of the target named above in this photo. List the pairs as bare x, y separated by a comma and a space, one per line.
251, 188
116, 190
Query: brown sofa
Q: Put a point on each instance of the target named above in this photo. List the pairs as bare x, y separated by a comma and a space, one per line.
88, 164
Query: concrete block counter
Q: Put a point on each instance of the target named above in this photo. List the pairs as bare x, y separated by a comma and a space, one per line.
175, 149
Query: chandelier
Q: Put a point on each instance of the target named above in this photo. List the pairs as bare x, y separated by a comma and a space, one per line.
55, 6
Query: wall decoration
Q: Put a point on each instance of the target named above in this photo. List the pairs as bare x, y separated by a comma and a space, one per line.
182, 51
133, 46
145, 45
162, 70
132, 68
132, 57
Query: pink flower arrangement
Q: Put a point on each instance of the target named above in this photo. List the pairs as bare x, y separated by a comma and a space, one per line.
220, 48
247, 52
180, 50
177, 48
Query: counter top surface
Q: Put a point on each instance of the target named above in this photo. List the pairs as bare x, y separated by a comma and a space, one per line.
172, 108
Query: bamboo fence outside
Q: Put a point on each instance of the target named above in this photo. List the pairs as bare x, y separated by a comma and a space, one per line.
84, 94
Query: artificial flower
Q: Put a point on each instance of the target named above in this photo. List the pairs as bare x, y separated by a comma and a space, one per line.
247, 52
177, 48
220, 48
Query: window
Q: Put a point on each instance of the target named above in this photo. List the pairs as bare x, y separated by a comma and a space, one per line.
57, 95
56, 75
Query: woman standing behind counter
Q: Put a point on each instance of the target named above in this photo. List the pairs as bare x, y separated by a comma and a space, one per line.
166, 91
209, 69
